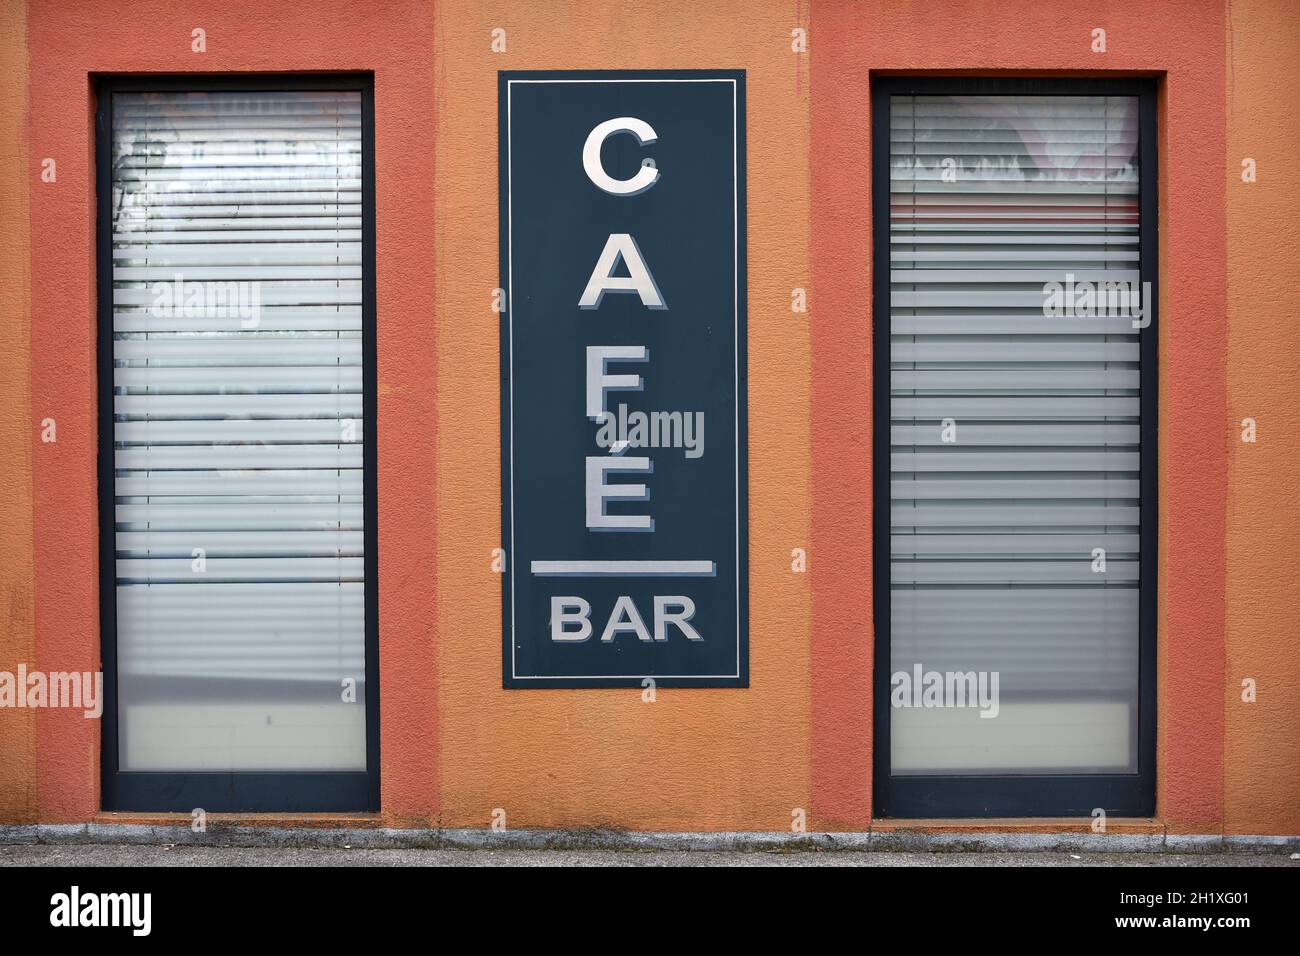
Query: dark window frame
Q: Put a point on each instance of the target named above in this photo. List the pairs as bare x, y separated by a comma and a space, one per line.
1014, 795
237, 791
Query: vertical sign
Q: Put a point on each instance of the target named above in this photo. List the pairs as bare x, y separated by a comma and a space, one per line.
623, 367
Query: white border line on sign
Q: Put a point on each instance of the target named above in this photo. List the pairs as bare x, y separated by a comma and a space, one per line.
510, 311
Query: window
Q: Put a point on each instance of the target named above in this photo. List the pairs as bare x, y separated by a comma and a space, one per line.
237, 410
1015, 447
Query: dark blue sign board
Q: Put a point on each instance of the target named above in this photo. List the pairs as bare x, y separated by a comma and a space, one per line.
623, 378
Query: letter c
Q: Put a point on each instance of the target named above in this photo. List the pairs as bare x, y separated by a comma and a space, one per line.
645, 177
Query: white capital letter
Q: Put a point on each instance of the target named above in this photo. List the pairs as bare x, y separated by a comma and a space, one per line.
566, 609
663, 617
621, 247
598, 493
598, 382
645, 177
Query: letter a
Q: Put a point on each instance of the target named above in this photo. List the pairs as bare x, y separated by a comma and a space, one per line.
621, 246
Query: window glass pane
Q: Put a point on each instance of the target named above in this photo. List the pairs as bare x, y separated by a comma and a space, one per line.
1014, 464
237, 407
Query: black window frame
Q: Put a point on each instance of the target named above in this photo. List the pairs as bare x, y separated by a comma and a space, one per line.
232, 791
1020, 795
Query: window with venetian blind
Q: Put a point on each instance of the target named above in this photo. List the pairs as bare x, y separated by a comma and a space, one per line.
238, 475
1015, 477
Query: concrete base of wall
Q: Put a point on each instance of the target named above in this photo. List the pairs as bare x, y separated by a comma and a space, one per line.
226, 835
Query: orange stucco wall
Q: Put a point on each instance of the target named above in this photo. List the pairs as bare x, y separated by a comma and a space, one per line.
455, 746
1262, 744
695, 758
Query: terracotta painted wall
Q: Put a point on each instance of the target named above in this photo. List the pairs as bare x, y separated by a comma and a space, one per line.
455, 746
1262, 747
17, 584
68, 43
1183, 43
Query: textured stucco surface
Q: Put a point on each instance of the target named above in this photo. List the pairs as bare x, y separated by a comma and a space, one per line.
17, 585
695, 758
455, 746
1262, 748
69, 42
1183, 44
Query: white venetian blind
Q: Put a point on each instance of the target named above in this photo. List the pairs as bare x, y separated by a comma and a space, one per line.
237, 437
1014, 432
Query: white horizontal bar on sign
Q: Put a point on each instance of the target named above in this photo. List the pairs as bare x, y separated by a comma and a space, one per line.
198, 484
240, 543
1011, 545
976, 433
955, 460
269, 379
237, 457
623, 568
1028, 408
268, 570
244, 516
995, 488
1001, 514
331, 406
325, 430
1036, 571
